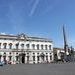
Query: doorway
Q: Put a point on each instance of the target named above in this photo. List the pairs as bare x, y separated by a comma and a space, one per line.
23, 58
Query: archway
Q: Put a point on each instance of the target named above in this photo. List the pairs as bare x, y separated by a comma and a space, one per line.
42, 55
22, 58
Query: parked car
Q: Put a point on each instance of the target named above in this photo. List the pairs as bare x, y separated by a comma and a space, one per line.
1, 63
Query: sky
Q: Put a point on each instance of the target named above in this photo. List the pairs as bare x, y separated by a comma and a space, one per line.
40, 18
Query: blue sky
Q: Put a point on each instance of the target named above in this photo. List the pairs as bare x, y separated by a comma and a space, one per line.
41, 18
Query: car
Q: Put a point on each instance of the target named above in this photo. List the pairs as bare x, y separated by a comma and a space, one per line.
1, 63
4, 62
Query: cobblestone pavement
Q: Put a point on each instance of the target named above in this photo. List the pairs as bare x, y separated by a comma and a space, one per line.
38, 69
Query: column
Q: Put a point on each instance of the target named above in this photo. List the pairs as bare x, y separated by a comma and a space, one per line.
36, 58
30, 58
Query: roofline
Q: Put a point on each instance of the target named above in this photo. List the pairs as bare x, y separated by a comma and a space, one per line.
58, 48
36, 38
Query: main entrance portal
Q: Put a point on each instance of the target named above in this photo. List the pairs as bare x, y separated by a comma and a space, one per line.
22, 58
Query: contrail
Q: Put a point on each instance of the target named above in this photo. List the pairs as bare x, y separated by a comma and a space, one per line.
34, 7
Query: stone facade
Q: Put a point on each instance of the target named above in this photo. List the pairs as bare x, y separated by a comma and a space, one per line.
24, 49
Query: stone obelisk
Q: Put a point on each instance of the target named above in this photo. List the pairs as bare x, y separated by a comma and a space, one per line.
65, 44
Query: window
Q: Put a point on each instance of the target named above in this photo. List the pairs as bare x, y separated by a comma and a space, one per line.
22, 46
46, 47
10, 46
47, 58
27, 59
38, 58
50, 57
17, 45
49, 47
10, 58
17, 57
33, 58
37, 46
43, 58
33, 46
0, 45
27, 45
0, 57
42, 47
5, 44
4, 56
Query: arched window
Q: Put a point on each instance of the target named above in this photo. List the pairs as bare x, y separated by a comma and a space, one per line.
37, 46
42, 47
22, 46
49, 47
17, 45
0, 45
27, 45
5, 44
33, 46
50, 57
0, 57
46, 47
38, 57
47, 57
10, 58
10, 46
4, 56
33, 58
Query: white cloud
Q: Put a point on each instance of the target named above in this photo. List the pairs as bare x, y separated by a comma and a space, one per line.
3, 33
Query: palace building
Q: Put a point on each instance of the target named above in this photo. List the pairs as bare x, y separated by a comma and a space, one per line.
21, 48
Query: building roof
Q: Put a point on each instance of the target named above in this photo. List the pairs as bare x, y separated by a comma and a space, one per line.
23, 36
57, 48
